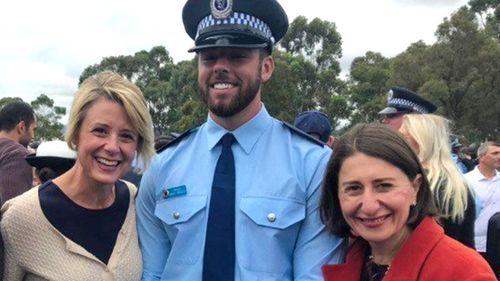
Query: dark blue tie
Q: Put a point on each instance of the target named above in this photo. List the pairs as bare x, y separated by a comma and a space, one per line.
218, 261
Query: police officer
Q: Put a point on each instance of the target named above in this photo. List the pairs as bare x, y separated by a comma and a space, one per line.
401, 101
271, 227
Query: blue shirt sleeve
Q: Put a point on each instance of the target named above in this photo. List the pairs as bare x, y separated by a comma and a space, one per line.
153, 240
315, 246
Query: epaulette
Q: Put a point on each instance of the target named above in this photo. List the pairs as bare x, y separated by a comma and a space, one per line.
302, 133
177, 139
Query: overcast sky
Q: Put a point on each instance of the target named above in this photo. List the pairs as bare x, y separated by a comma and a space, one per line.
45, 45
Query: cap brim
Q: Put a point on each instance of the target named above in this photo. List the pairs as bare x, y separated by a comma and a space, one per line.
389, 110
242, 46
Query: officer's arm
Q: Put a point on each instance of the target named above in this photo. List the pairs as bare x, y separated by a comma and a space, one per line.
153, 240
315, 246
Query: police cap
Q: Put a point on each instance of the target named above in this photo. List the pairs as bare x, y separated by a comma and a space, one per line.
401, 101
234, 23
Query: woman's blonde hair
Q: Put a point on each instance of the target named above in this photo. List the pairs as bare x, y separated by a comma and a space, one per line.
431, 133
111, 86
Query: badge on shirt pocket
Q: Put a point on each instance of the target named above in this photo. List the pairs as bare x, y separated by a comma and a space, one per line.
175, 191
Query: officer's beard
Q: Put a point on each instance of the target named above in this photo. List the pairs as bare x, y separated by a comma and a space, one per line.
246, 94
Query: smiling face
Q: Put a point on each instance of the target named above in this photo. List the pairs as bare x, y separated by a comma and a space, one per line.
375, 199
229, 79
106, 142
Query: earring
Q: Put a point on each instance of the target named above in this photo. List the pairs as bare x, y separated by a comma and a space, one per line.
414, 204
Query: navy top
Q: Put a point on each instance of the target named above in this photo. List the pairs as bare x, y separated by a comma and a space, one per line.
94, 230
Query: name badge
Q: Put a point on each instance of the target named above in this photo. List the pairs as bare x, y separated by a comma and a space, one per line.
175, 191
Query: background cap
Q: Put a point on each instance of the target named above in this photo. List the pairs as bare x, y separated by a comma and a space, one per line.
401, 100
314, 121
53, 154
234, 23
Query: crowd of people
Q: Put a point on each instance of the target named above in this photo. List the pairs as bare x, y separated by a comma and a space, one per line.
244, 196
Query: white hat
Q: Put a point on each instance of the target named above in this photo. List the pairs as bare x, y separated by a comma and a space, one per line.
52, 154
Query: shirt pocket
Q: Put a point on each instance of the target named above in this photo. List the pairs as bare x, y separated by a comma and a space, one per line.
183, 217
269, 230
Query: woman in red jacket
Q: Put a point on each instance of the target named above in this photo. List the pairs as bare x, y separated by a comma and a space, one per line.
375, 192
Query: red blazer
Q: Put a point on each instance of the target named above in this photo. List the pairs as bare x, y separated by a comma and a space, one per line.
427, 255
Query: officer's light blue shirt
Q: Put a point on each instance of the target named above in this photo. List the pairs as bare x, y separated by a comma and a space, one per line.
279, 234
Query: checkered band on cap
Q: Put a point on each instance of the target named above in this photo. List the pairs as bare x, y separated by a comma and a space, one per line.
397, 102
236, 18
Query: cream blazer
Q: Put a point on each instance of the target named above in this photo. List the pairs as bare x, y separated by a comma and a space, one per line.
36, 250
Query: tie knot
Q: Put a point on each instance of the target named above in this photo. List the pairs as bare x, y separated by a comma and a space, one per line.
227, 140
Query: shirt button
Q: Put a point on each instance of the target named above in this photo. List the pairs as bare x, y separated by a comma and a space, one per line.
176, 215
271, 217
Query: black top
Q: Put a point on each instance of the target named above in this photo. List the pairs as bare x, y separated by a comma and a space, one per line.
464, 231
94, 230
373, 271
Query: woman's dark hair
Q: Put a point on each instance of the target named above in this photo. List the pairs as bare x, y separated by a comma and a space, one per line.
381, 142
46, 173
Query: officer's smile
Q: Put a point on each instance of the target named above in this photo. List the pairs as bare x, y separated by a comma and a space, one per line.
222, 86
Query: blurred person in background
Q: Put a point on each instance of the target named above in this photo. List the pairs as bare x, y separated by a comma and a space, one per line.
81, 225
52, 159
316, 124
429, 135
485, 180
455, 154
401, 101
18, 124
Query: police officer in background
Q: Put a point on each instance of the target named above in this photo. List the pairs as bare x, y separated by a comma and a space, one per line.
401, 101
238, 197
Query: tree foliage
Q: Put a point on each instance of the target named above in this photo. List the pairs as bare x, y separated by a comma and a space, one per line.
49, 116
367, 86
459, 73
307, 70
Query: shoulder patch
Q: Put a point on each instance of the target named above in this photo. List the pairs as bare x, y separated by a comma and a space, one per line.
177, 139
299, 132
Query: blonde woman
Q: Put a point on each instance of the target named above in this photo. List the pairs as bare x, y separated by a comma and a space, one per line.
80, 226
428, 135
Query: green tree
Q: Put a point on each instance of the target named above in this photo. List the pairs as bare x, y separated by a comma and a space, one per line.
6, 100
464, 67
368, 86
488, 12
49, 127
151, 72
307, 70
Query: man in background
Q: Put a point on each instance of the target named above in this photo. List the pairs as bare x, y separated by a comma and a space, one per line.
485, 180
17, 129
316, 124
401, 101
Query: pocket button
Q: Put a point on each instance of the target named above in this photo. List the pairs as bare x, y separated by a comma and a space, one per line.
176, 215
271, 217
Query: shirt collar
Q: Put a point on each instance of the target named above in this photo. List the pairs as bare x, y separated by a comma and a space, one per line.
479, 176
246, 135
